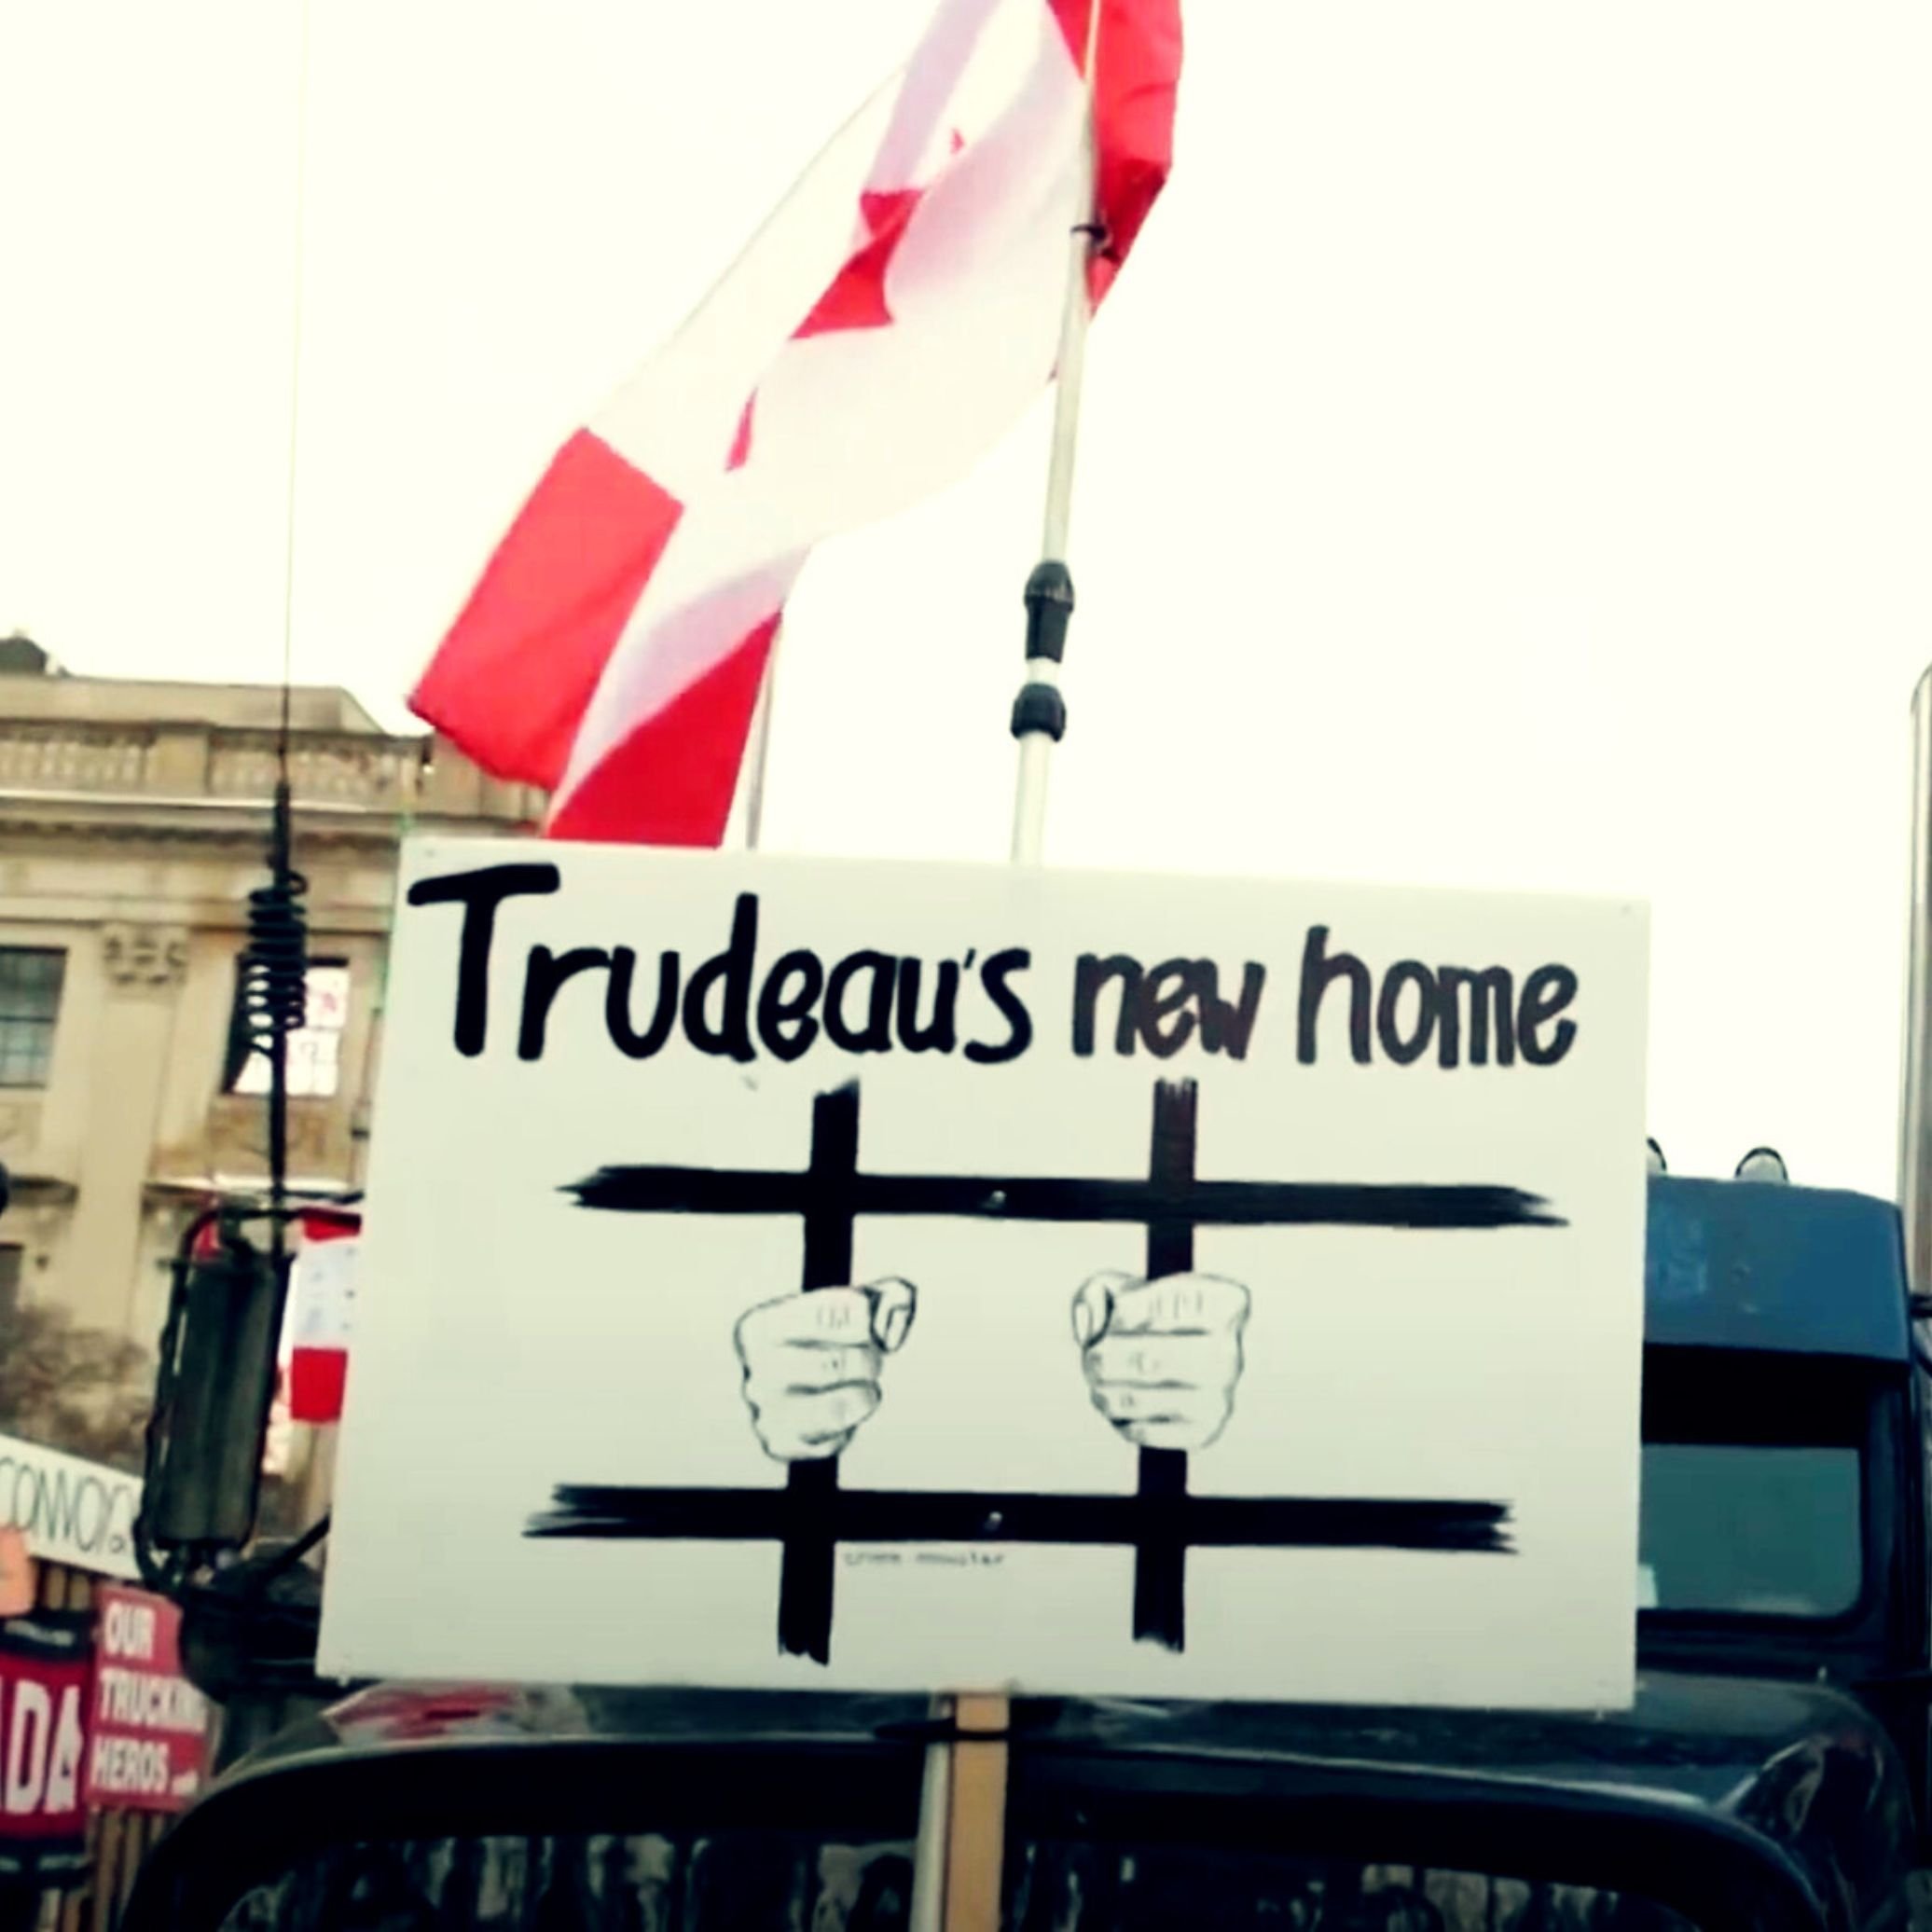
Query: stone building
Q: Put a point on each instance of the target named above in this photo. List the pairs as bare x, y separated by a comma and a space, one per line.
133, 817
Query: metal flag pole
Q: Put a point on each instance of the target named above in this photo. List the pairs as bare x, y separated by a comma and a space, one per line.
758, 751
1040, 712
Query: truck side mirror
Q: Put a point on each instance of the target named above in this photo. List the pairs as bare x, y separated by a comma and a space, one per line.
213, 1392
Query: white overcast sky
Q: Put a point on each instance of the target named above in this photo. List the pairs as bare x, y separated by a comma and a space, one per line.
1508, 458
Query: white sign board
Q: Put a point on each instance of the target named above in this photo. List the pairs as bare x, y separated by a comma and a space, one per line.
1215, 1288
71, 1510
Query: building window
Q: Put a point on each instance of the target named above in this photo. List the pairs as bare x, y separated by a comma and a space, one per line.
29, 998
315, 1050
12, 1260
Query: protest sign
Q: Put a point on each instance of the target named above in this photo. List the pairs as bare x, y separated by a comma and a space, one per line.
44, 1664
70, 1510
792, 1273
147, 1735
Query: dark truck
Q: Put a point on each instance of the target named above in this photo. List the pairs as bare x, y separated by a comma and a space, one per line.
1773, 1770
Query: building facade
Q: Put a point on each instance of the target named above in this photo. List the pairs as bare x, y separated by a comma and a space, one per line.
133, 823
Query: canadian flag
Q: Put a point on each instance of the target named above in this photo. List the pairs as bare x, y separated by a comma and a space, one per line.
315, 1332
890, 321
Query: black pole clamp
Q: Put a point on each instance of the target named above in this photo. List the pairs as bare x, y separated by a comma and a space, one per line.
1049, 610
1040, 708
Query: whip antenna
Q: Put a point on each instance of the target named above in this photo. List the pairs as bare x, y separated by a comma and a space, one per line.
275, 970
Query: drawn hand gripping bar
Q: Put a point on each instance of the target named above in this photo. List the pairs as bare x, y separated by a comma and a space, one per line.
1161, 1522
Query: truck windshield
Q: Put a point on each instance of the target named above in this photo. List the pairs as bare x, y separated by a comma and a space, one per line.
1753, 1482
1752, 1529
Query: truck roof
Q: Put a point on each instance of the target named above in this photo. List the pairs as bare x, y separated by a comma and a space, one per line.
1799, 1270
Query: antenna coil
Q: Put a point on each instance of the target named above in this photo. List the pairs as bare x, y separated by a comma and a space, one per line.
275, 968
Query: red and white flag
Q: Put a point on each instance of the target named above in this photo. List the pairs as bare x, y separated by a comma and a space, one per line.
321, 1310
889, 323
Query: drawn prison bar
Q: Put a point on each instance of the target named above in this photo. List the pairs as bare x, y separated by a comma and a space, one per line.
1161, 1522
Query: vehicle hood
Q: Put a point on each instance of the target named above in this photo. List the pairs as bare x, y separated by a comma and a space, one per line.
1804, 1767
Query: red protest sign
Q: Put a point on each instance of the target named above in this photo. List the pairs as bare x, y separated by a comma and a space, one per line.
148, 1740
44, 1661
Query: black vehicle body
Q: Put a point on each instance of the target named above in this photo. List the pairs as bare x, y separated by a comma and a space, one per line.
1772, 1772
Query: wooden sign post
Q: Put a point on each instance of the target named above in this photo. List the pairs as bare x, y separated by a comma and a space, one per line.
975, 1847
966, 1781
968, 1787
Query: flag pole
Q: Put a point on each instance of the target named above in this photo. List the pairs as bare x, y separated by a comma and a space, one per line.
1040, 712
759, 751
959, 1853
